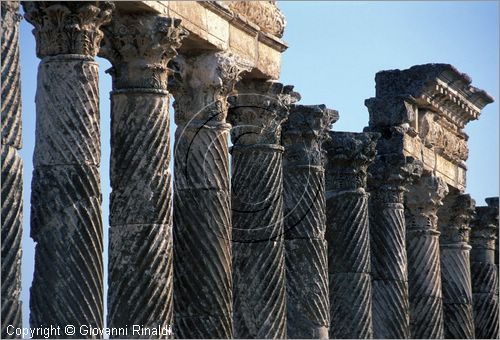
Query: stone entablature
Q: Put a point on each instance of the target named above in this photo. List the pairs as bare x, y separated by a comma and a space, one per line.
246, 29
430, 104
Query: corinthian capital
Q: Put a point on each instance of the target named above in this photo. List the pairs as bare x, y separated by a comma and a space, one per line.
454, 218
67, 27
485, 226
258, 110
201, 84
139, 46
423, 199
304, 132
348, 157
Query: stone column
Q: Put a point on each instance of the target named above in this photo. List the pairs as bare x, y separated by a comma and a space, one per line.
203, 301
257, 205
66, 214
390, 174
12, 169
348, 234
484, 271
454, 217
304, 212
422, 201
140, 248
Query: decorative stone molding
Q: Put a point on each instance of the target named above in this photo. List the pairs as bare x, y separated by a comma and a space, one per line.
68, 27
348, 234
423, 199
264, 14
432, 103
139, 46
304, 213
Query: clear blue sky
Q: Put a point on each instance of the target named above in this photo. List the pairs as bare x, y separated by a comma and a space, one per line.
335, 50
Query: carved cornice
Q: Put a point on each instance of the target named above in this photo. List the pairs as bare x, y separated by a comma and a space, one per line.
258, 110
139, 46
348, 157
454, 218
67, 27
264, 14
423, 199
484, 229
201, 84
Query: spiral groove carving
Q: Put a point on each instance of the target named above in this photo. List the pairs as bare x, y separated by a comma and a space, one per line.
12, 185
390, 282
12, 169
349, 266
426, 308
140, 264
457, 293
203, 299
485, 301
66, 199
258, 249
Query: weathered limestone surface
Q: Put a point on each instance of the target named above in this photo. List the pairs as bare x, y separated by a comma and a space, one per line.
434, 102
389, 176
66, 197
484, 271
203, 300
348, 234
11, 169
140, 281
256, 114
304, 212
423, 199
453, 218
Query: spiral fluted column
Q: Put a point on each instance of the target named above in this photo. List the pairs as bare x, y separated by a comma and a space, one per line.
422, 201
203, 300
66, 216
256, 114
484, 272
304, 212
454, 217
390, 174
140, 282
12, 169
348, 234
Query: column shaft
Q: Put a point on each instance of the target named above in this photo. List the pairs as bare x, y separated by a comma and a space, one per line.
454, 219
140, 289
390, 305
11, 169
484, 271
349, 156
257, 210
66, 220
203, 300
424, 264
304, 213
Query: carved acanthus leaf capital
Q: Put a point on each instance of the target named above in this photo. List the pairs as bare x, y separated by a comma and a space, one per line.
423, 199
484, 229
68, 27
201, 84
454, 218
139, 46
258, 110
348, 157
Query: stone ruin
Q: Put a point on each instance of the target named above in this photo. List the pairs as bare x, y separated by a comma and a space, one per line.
302, 233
